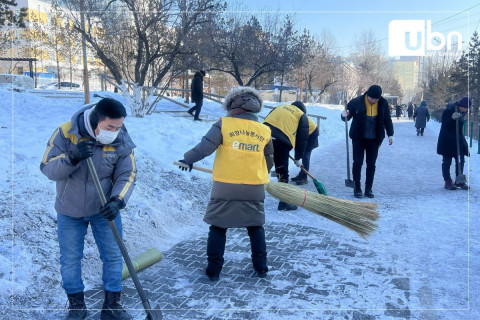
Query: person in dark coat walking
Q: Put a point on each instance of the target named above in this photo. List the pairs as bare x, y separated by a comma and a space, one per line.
371, 118
410, 110
244, 156
289, 125
447, 141
398, 111
197, 94
312, 143
421, 117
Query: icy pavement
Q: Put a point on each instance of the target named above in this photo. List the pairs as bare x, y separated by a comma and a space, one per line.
421, 263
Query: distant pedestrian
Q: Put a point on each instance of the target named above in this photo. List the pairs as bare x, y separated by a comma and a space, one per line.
98, 133
243, 158
371, 118
289, 125
398, 111
421, 116
197, 94
312, 143
410, 110
447, 141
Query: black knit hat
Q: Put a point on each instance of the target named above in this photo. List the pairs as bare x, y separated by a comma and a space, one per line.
203, 73
465, 102
374, 91
300, 105
423, 104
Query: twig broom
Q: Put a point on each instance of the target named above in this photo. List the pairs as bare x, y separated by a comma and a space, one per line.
357, 216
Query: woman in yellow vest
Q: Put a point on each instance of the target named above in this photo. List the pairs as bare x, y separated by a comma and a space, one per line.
289, 125
243, 159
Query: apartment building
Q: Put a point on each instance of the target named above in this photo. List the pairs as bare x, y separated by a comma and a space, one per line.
406, 71
49, 38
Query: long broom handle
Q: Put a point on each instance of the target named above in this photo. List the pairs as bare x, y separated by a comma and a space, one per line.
458, 144
181, 164
119, 240
346, 142
303, 168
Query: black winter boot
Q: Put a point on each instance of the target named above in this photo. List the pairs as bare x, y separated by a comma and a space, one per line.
77, 309
357, 190
112, 309
368, 192
197, 119
298, 177
462, 185
449, 185
283, 206
190, 111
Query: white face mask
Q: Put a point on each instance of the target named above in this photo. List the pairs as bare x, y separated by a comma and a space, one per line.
107, 137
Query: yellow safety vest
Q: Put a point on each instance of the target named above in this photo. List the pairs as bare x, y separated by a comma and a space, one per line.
311, 126
286, 119
240, 158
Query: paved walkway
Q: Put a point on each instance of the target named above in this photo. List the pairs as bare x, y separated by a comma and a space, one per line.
421, 263
179, 287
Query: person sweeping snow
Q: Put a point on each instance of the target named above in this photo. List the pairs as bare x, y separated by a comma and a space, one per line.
289, 125
243, 159
97, 132
452, 143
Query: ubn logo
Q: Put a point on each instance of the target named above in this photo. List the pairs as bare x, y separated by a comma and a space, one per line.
409, 38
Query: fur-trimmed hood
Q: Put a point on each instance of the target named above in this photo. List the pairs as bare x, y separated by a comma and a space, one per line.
245, 98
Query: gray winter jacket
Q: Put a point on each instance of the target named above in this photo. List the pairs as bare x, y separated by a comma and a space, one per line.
231, 205
76, 194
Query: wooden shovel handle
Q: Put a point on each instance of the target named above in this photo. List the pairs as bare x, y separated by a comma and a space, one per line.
193, 167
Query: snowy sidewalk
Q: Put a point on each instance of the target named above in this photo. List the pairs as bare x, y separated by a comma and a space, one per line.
421, 263
416, 266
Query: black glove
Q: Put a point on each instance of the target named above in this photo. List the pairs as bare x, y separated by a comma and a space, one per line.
83, 150
111, 209
190, 166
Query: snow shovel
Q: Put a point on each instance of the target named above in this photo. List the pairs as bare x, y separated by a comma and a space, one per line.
348, 182
320, 187
152, 314
460, 178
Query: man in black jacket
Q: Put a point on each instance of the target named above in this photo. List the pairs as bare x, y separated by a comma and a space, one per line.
197, 94
447, 141
289, 125
371, 118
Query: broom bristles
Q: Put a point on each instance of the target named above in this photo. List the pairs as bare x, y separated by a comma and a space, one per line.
357, 216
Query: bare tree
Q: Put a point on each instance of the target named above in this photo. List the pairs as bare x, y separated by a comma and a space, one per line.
240, 46
287, 51
36, 36
132, 36
323, 67
56, 37
368, 59
435, 70
9, 22
372, 65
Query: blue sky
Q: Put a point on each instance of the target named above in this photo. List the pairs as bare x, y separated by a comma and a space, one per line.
345, 19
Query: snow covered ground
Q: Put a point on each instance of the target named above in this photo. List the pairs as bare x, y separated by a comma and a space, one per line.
425, 231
